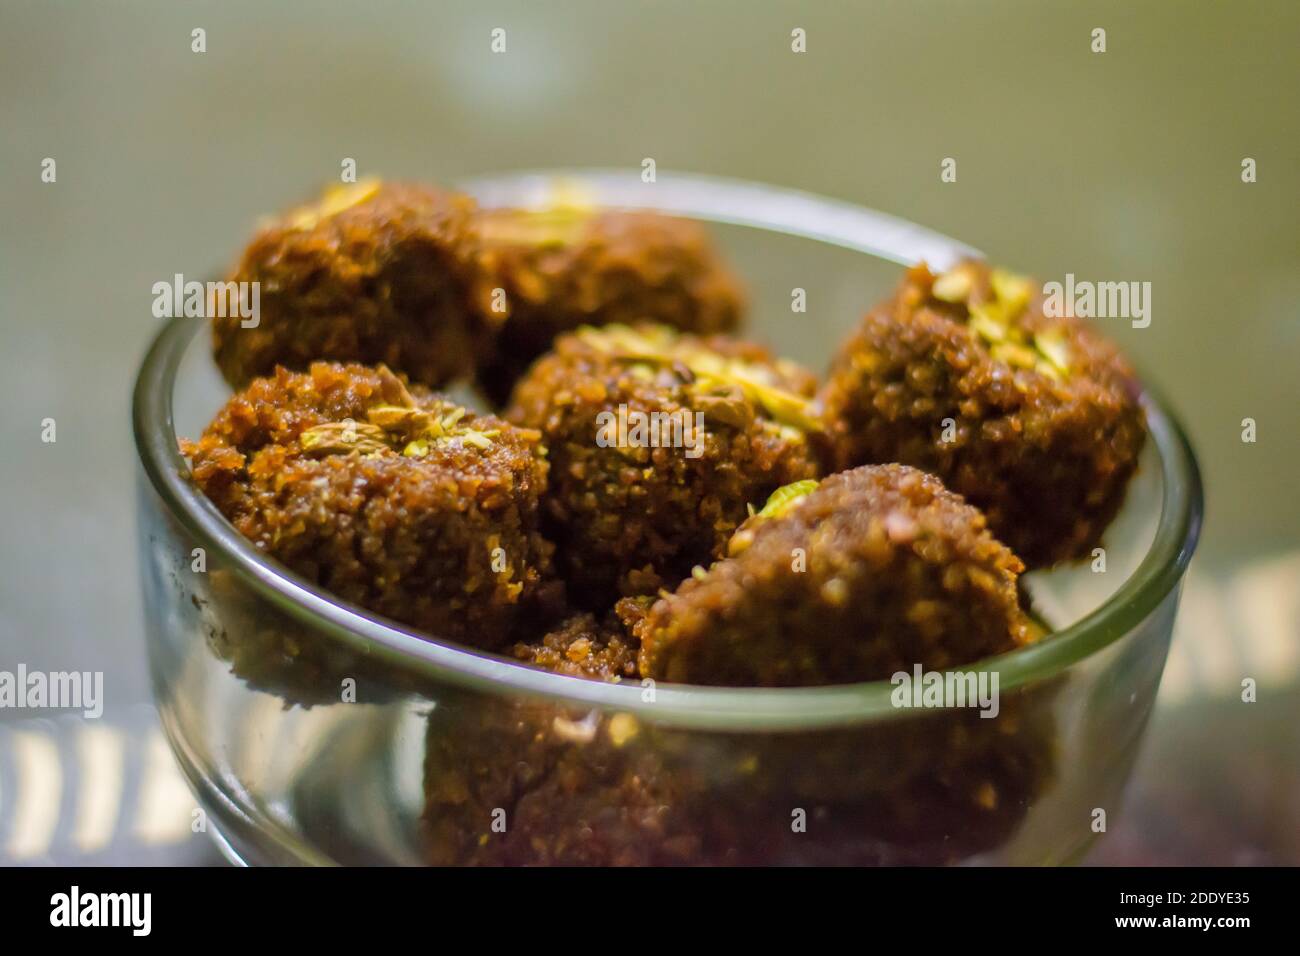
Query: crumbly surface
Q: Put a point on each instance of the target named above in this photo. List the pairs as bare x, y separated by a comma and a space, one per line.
880, 568
512, 783
275, 653
394, 498
423, 281
928, 790
627, 519
1046, 426
371, 273
389, 497
586, 646
561, 268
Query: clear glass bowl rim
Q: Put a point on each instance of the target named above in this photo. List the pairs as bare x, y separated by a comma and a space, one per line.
762, 709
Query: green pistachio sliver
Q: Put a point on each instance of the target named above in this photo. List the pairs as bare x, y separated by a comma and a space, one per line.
1011, 290
335, 200
785, 408
660, 347
391, 427
557, 221
786, 497
1044, 367
1053, 348
415, 430
396, 418
990, 312
544, 228
1012, 353
630, 343
788, 409
779, 504
792, 434
953, 286
386, 415
345, 437
986, 328
732, 410
478, 439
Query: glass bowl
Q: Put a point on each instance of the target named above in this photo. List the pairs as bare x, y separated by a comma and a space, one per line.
315, 732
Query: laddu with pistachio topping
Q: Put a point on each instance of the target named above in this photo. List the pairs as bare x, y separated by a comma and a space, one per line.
531, 782
631, 519
389, 496
517, 782
424, 281
1034, 419
868, 573
569, 264
371, 272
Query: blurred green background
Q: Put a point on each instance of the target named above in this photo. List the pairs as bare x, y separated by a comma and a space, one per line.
1123, 165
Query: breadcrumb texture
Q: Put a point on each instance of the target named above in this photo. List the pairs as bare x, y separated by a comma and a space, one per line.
877, 570
1044, 448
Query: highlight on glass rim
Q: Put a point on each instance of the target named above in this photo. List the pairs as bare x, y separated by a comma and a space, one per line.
650, 437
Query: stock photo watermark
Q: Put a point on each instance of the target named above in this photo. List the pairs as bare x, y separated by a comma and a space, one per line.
946, 690
23, 689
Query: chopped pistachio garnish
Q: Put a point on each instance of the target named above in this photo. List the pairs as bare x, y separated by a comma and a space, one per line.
482, 440
993, 312
622, 728
1013, 353
413, 430
345, 437
986, 327
1051, 344
730, 409
784, 407
953, 286
1044, 367
779, 504
648, 344
1046, 354
711, 373
643, 371
786, 497
557, 222
1011, 290
399, 418
993, 324
542, 228
336, 198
